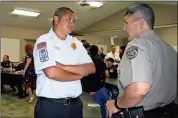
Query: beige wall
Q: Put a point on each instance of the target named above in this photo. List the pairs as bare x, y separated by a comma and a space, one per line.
21, 33
164, 14
168, 34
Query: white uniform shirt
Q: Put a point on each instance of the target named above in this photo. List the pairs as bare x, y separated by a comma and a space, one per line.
48, 50
115, 56
149, 59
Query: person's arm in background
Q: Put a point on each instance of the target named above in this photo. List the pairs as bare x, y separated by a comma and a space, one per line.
107, 74
26, 66
106, 70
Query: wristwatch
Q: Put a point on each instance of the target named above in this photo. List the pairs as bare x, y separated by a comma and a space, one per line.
116, 103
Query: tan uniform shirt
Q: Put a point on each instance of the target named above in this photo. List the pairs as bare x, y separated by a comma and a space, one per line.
150, 59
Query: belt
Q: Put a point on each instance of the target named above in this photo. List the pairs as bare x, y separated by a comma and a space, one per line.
139, 112
65, 101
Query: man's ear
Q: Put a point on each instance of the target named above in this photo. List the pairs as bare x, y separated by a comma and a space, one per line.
142, 23
56, 19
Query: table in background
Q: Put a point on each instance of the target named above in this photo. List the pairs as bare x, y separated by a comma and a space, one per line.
12, 79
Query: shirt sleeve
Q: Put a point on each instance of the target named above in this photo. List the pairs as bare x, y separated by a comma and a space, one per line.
44, 55
136, 66
29, 55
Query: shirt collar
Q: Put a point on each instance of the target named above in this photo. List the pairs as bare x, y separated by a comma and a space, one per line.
53, 35
147, 33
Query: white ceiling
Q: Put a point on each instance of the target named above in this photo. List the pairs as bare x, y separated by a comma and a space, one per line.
85, 15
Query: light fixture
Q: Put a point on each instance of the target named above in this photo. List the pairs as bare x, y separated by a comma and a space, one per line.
95, 4
25, 13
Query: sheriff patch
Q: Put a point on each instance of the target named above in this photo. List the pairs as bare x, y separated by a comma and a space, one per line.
132, 52
41, 45
43, 54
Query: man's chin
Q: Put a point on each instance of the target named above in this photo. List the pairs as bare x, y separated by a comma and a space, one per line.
69, 32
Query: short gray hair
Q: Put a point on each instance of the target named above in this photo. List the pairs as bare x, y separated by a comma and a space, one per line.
144, 10
61, 12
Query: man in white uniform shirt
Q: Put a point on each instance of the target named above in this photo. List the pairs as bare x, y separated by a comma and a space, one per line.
60, 62
148, 70
113, 54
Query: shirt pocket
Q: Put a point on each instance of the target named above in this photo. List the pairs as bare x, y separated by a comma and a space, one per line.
72, 56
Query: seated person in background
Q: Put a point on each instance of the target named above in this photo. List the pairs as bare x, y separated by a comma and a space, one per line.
7, 65
113, 54
94, 82
21, 66
111, 68
100, 52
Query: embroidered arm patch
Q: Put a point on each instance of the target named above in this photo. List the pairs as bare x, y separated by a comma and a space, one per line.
43, 54
132, 52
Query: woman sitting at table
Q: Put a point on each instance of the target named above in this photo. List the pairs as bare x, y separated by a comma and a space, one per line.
29, 72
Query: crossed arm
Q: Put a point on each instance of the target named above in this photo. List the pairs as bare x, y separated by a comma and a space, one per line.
62, 72
82, 69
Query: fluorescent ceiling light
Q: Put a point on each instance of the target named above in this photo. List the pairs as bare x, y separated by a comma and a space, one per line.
25, 13
96, 4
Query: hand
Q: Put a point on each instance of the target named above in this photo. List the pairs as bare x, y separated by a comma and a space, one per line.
111, 108
111, 71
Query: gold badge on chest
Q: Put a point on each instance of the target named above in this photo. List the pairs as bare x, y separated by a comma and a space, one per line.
73, 45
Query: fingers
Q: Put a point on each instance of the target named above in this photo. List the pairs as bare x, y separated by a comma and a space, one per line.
109, 114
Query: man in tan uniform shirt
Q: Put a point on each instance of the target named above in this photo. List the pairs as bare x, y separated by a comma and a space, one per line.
148, 70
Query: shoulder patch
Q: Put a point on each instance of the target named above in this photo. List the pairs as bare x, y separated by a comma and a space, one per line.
132, 52
41, 45
43, 54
